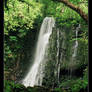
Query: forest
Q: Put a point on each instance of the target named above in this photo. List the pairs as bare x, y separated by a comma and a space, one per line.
47, 39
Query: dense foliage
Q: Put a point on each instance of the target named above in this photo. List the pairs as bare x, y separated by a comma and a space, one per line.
22, 21
19, 20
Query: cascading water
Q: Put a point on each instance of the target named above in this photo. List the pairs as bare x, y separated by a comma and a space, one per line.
58, 63
76, 42
36, 72
73, 61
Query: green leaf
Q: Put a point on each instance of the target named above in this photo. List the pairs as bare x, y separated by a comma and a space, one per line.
13, 38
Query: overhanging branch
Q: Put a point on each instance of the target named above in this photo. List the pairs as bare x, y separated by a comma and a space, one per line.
75, 8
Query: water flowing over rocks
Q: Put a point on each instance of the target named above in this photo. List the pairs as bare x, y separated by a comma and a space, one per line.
35, 74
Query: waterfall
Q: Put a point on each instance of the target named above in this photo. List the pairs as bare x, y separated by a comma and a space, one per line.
58, 63
36, 72
58, 57
73, 61
76, 42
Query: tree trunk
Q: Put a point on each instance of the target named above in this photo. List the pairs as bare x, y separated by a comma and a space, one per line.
75, 8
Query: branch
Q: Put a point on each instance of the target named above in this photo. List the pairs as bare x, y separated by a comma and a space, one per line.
75, 8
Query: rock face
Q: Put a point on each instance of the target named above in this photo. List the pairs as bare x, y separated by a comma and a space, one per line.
66, 56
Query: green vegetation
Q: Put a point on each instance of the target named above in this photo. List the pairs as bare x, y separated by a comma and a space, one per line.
22, 21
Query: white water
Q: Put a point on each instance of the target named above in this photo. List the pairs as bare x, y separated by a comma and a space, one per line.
58, 64
73, 59
59, 57
35, 74
76, 42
